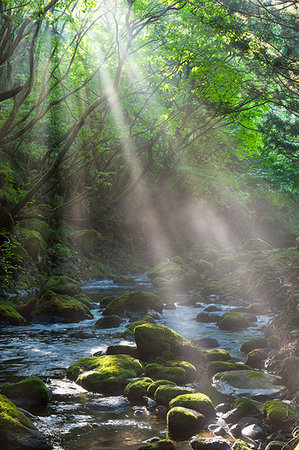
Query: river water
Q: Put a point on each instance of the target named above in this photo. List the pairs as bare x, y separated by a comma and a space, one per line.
76, 419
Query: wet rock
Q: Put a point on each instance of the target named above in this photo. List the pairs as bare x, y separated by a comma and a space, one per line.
253, 343
212, 308
82, 334
136, 303
207, 342
120, 349
233, 416
61, 284
130, 329
223, 407
182, 423
207, 317
253, 432
154, 386
165, 393
9, 315
278, 412
196, 401
219, 431
248, 382
217, 354
232, 321
114, 404
209, 444
31, 391
224, 366
256, 358
136, 389
112, 321
290, 373
152, 340
17, 432
235, 431
245, 421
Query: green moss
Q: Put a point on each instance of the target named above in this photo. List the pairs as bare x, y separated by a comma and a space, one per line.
159, 445
224, 366
217, 354
178, 260
34, 243
108, 322
222, 376
255, 374
145, 319
155, 384
165, 393
277, 412
232, 321
157, 372
246, 405
8, 314
256, 358
61, 284
135, 302
190, 370
12, 420
196, 401
240, 445
164, 269
82, 298
202, 266
183, 422
105, 374
63, 306
253, 343
30, 390
136, 389
89, 241
152, 340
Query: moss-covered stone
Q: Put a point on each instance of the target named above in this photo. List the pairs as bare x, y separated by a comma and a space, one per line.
197, 401
106, 300
217, 354
290, 373
122, 349
253, 343
164, 444
223, 366
206, 317
158, 371
278, 412
58, 307
202, 266
190, 370
107, 374
164, 269
246, 405
61, 284
232, 321
165, 393
9, 315
240, 445
256, 358
134, 302
215, 443
145, 319
31, 391
183, 423
82, 298
17, 431
89, 241
136, 389
155, 384
108, 322
152, 340
34, 243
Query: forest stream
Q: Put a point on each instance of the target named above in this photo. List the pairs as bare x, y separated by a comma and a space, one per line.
77, 419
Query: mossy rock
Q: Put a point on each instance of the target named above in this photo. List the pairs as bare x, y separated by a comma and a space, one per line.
152, 340
224, 366
232, 321
253, 343
107, 374
256, 358
121, 349
82, 298
31, 391
206, 317
145, 319
61, 284
202, 266
182, 423
155, 384
165, 393
17, 432
197, 401
108, 322
9, 315
217, 354
158, 371
59, 308
89, 241
240, 445
136, 389
190, 370
134, 302
34, 243
164, 444
178, 260
160, 282
106, 300
246, 405
164, 269
278, 412
215, 443
290, 373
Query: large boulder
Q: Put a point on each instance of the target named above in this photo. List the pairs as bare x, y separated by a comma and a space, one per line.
256, 358
152, 340
183, 423
159, 371
164, 269
197, 401
224, 366
108, 322
136, 389
108, 374
9, 315
278, 412
33, 243
155, 384
233, 321
129, 331
165, 393
138, 302
17, 432
31, 391
253, 343
52, 307
61, 284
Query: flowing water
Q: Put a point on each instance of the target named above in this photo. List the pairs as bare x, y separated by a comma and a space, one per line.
75, 418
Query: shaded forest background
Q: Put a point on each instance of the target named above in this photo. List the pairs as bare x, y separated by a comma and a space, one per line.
147, 125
